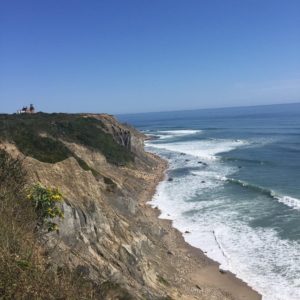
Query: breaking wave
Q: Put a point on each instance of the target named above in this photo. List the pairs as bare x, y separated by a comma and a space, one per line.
287, 200
205, 149
217, 223
168, 134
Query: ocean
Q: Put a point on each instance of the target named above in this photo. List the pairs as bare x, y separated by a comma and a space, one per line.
233, 188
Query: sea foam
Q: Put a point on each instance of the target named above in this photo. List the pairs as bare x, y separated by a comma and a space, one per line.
259, 256
168, 134
205, 149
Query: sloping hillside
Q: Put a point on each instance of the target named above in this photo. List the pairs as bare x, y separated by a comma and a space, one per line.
41, 136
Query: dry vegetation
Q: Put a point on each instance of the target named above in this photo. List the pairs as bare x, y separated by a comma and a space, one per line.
25, 270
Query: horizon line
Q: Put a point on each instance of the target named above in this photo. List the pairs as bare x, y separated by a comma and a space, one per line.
163, 111
207, 108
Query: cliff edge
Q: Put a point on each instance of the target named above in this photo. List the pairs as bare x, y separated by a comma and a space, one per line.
108, 234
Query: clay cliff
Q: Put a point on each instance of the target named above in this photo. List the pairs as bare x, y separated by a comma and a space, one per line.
108, 233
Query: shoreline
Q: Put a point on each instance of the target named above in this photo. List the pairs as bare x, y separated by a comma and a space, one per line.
201, 271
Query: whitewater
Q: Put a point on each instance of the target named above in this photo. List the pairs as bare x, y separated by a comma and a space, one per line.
233, 190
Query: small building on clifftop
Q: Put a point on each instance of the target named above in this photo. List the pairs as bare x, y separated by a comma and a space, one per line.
27, 110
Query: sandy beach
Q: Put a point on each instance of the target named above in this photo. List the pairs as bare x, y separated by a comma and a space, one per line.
197, 276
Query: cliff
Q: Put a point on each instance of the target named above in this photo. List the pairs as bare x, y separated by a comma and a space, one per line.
108, 234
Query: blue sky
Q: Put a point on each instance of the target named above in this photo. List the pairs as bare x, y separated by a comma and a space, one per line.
148, 55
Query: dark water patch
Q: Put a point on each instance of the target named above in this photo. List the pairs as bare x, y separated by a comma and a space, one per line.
289, 149
197, 212
284, 221
182, 172
246, 160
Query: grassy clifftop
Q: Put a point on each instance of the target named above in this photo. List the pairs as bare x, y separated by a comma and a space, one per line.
41, 136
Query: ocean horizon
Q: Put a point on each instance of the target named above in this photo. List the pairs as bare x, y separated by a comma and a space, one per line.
232, 188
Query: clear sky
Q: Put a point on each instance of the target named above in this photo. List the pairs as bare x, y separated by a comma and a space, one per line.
122, 56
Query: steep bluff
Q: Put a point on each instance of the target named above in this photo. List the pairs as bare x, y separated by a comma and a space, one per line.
99, 235
108, 233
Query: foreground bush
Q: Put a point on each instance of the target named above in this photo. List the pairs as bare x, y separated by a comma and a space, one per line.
25, 272
46, 203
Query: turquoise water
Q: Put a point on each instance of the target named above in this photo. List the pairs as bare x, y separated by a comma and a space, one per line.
236, 187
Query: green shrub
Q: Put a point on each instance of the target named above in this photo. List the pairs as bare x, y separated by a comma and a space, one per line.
46, 205
89, 132
39, 135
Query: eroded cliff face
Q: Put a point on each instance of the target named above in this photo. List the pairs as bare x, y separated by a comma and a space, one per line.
108, 233
125, 135
99, 234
